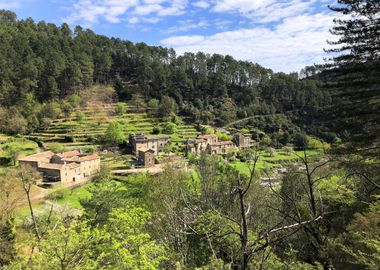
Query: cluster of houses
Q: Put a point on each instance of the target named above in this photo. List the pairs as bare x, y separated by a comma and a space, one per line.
72, 166
65, 167
210, 144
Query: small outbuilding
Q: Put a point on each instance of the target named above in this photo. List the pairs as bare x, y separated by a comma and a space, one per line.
146, 157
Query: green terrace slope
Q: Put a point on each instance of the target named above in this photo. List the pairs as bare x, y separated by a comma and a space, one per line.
75, 133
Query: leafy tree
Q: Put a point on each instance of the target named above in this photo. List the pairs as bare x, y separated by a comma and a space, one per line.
301, 141
114, 134
131, 247
169, 128
68, 246
359, 246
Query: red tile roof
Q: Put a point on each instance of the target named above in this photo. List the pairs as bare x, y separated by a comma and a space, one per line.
88, 158
69, 154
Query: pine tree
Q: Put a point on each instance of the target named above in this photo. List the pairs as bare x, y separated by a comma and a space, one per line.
354, 72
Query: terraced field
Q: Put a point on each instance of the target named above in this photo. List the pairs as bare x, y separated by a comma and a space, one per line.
95, 123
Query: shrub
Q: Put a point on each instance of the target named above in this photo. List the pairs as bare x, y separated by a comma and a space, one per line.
66, 108
301, 141
75, 100
80, 116
209, 131
169, 128
156, 130
121, 109
51, 110
224, 136
58, 194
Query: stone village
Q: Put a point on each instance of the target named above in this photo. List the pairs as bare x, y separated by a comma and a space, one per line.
74, 167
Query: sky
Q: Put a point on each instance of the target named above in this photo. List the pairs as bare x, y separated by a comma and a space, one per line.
284, 35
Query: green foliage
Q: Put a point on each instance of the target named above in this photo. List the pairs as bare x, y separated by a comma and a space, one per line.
359, 247
224, 136
167, 106
51, 110
58, 194
75, 100
130, 246
80, 116
169, 128
121, 108
68, 246
114, 134
301, 141
7, 241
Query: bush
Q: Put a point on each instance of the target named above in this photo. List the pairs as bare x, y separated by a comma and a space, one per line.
69, 139
66, 108
51, 110
75, 100
58, 194
209, 131
301, 141
169, 128
329, 137
315, 144
224, 136
80, 116
156, 130
121, 109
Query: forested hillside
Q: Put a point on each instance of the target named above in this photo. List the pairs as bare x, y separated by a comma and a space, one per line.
299, 188
46, 62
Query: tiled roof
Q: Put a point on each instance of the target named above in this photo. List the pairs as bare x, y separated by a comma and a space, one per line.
88, 158
42, 157
69, 154
51, 166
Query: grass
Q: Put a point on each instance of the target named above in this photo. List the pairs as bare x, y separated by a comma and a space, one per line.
72, 197
23, 146
268, 161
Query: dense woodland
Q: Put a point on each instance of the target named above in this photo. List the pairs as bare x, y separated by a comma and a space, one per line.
44, 62
325, 214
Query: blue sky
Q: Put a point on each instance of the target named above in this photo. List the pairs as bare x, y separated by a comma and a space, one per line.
284, 35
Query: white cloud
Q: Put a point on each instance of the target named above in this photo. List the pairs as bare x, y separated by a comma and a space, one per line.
186, 25
115, 11
265, 10
181, 41
201, 4
291, 45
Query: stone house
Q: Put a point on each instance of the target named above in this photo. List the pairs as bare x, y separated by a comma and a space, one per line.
66, 167
210, 138
142, 142
209, 144
222, 147
196, 146
146, 158
242, 141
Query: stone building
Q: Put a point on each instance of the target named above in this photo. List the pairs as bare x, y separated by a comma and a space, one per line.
222, 147
196, 146
242, 141
142, 142
146, 158
66, 167
209, 144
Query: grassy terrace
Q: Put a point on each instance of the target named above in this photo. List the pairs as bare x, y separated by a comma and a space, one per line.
95, 123
267, 161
